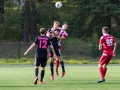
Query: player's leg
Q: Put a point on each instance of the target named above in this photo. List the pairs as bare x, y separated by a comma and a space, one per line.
36, 74
102, 79
36, 63
51, 65
62, 66
104, 70
106, 63
51, 62
100, 66
43, 64
58, 53
62, 63
57, 63
56, 48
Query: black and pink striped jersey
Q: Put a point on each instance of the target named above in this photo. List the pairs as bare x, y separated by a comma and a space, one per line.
62, 33
54, 40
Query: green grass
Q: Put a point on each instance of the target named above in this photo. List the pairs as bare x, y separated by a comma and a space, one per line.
78, 77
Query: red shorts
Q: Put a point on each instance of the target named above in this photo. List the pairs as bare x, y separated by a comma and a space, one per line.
105, 58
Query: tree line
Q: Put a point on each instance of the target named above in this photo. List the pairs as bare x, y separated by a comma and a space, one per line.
20, 20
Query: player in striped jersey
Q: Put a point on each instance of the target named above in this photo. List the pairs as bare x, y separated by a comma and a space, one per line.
52, 33
62, 35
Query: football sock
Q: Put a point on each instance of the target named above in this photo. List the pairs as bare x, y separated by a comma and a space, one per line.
42, 75
36, 72
105, 70
101, 72
57, 64
51, 67
62, 65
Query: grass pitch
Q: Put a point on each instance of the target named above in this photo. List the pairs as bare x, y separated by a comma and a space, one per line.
78, 77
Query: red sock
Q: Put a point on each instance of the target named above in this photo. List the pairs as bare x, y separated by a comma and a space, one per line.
57, 64
101, 72
105, 70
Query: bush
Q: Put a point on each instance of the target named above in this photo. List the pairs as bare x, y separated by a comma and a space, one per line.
28, 61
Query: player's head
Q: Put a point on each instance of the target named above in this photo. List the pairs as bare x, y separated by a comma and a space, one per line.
42, 31
64, 26
56, 24
105, 29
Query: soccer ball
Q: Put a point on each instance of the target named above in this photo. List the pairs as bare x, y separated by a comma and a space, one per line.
58, 4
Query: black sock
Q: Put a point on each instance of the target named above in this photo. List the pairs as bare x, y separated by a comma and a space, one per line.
62, 65
51, 68
36, 72
42, 75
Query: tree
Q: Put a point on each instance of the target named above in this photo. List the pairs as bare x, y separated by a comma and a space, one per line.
32, 32
26, 21
100, 13
1, 6
1, 10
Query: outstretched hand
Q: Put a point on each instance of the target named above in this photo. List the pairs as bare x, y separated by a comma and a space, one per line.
25, 53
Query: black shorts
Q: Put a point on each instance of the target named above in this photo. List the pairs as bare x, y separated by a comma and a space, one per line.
40, 62
57, 51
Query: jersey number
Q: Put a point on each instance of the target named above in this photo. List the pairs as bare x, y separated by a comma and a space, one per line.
42, 44
109, 42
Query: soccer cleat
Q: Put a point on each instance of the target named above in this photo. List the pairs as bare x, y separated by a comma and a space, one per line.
101, 80
63, 74
52, 77
41, 82
57, 72
35, 81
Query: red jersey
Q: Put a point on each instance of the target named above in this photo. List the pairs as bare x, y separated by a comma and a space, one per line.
62, 33
107, 41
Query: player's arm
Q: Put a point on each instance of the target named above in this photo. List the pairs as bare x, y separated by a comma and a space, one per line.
55, 33
31, 47
62, 37
48, 34
114, 49
100, 46
100, 43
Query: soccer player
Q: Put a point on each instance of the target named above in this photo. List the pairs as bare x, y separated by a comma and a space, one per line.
52, 33
42, 42
106, 42
62, 35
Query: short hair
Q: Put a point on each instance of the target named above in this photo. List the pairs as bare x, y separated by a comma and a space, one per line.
106, 29
65, 23
56, 22
42, 30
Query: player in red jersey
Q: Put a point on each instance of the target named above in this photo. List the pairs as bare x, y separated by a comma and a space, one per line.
42, 42
106, 42
62, 35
